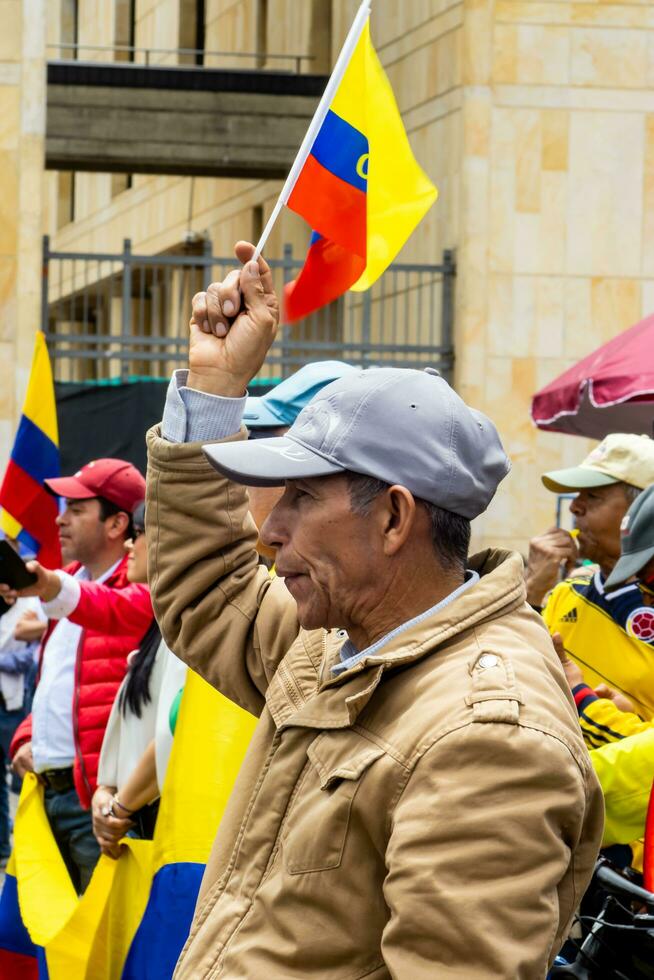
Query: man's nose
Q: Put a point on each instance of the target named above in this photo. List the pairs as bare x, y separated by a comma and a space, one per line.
60, 519
576, 507
271, 531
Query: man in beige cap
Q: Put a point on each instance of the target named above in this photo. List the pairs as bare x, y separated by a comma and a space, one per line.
596, 625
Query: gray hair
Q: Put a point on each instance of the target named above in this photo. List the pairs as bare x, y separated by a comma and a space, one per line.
450, 533
631, 492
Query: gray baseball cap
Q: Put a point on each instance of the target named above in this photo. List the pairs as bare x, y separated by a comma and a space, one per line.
637, 545
395, 424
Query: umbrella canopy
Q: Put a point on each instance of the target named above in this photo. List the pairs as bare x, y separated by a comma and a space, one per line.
611, 390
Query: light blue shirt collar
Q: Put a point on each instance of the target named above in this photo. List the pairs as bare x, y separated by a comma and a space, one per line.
351, 656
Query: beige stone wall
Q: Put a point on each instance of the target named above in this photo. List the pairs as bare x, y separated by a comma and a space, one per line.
535, 119
555, 246
22, 127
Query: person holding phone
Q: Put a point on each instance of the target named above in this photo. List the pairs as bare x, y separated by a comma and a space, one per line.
81, 667
17, 662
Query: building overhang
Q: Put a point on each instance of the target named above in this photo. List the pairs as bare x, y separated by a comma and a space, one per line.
129, 118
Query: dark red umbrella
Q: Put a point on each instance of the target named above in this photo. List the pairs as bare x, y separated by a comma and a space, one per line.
611, 390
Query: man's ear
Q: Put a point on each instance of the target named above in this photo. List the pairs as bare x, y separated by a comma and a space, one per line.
117, 525
399, 516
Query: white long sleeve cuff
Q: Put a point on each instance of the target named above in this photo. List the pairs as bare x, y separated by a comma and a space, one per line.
67, 600
195, 416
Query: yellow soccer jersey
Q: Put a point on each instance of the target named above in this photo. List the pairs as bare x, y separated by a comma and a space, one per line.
610, 635
624, 769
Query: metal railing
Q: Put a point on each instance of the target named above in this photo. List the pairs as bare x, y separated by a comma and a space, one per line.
121, 315
259, 59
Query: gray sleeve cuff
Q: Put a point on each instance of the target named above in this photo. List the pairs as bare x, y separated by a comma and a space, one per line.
195, 416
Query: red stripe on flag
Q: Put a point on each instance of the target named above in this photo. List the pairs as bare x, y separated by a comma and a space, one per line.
328, 272
17, 966
331, 206
648, 849
31, 505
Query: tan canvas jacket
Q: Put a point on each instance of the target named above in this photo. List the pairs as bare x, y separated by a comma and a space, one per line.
430, 814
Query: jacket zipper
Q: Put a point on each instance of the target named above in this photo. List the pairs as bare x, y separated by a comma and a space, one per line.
78, 746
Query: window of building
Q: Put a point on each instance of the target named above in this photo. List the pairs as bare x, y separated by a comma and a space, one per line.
120, 183
262, 32
69, 28
65, 198
191, 35
257, 222
124, 29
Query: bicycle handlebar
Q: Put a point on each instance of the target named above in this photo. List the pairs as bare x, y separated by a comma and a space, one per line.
614, 882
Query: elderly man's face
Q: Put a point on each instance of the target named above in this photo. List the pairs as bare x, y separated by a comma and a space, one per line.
326, 553
598, 514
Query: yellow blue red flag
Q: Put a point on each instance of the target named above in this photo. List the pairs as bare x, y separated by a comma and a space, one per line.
360, 188
135, 915
28, 510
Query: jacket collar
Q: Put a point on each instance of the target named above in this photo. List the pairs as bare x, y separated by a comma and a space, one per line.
303, 691
118, 576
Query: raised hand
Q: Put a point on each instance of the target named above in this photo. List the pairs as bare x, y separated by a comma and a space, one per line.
572, 672
232, 327
547, 553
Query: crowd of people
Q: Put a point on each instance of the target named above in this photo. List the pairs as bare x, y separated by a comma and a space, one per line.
440, 734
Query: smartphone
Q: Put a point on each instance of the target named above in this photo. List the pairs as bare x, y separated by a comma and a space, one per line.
12, 568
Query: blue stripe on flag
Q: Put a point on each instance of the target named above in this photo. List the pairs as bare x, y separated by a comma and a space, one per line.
28, 546
340, 148
34, 452
42, 961
315, 237
13, 934
166, 922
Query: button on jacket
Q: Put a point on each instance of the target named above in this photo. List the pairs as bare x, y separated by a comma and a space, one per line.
430, 813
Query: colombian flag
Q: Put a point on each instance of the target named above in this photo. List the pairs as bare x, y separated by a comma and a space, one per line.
360, 188
134, 917
28, 510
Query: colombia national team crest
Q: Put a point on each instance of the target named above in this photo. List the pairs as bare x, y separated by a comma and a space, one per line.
640, 624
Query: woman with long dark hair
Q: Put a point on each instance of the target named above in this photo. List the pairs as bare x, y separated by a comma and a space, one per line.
128, 753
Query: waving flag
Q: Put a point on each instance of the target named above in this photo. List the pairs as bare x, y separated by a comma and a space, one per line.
28, 510
18, 954
195, 793
135, 915
360, 187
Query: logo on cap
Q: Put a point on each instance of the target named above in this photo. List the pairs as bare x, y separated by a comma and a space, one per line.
640, 624
288, 452
317, 422
624, 526
598, 453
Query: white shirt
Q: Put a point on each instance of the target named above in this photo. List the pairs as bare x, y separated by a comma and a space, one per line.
53, 740
127, 737
12, 685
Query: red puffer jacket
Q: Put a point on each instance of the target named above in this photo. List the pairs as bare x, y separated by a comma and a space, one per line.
115, 616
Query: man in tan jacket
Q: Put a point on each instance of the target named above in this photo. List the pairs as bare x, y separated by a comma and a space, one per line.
417, 801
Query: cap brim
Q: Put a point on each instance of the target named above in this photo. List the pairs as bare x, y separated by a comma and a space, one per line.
267, 462
576, 478
69, 487
628, 566
257, 415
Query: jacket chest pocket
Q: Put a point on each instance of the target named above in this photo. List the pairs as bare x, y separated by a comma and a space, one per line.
318, 819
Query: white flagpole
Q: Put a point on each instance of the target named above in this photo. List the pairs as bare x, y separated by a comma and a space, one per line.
342, 62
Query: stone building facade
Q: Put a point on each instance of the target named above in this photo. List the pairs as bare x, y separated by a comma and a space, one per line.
535, 119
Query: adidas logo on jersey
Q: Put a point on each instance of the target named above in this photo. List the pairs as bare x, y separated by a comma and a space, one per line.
570, 617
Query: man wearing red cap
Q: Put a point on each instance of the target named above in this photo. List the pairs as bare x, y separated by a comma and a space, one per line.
80, 669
